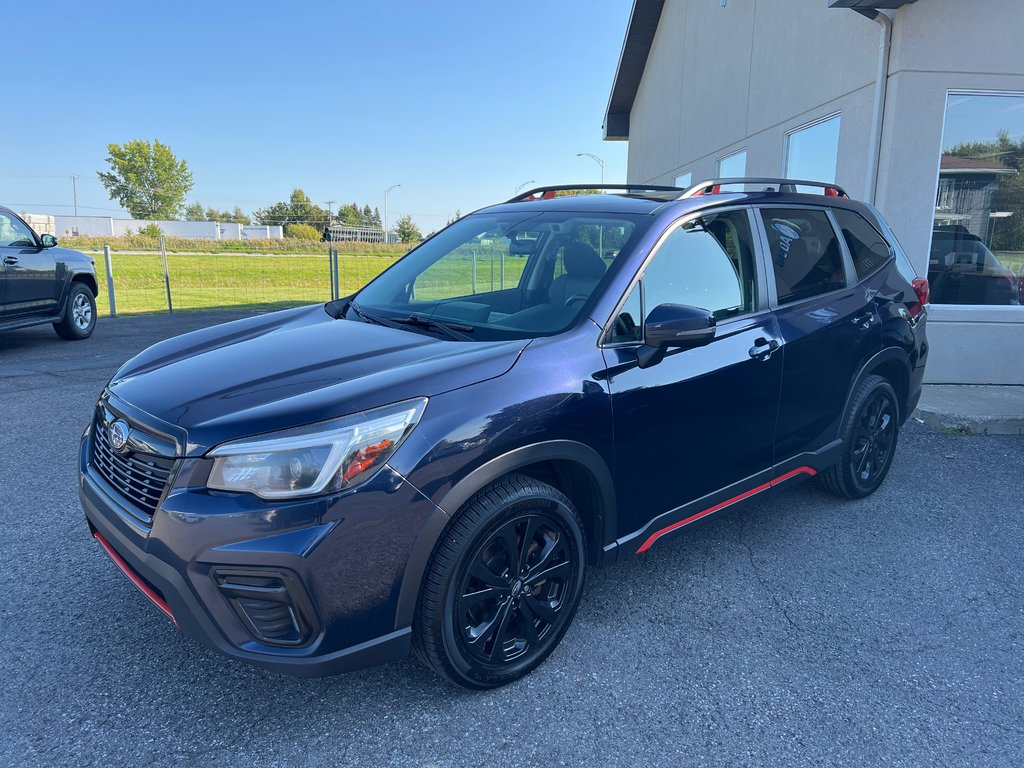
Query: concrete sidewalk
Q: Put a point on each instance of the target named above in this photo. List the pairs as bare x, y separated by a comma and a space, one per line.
973, 409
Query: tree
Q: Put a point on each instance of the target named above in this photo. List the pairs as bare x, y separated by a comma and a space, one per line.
146, 179
238, 216
1008, 232
194, 212
301, 232
407, 230
298, 210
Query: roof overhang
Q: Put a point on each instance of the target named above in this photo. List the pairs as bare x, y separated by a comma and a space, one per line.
870, 8
643, 24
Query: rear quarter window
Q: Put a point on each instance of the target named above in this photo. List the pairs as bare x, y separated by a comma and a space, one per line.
867, 245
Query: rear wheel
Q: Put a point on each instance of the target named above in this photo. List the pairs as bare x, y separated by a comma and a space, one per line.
503, 586
79, 314
870, 432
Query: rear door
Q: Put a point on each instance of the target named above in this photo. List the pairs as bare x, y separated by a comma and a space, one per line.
829, 325
30, 271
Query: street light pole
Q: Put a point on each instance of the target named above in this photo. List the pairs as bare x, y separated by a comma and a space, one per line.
600, 231
523, 185
386, 193
596, 159
74, 191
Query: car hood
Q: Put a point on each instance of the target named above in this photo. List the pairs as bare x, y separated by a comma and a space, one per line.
295, 367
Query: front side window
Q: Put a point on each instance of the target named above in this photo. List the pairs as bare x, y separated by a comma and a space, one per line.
503, 276
804, 252
14, 234
867, 246
708, 262
977, 250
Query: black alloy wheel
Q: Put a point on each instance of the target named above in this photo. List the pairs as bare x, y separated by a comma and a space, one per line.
502, 588
870, 432
874, 438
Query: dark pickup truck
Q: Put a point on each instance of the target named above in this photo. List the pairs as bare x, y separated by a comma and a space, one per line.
41, 283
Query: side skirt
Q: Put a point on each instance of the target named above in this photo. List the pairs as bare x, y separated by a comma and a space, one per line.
791, 471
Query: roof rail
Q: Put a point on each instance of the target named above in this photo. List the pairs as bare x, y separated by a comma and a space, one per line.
547, 193
713, 186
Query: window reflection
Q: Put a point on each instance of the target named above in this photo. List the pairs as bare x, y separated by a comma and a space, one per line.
977, 251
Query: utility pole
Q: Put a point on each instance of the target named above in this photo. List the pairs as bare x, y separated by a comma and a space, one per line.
74, 191
386, 193
330, 216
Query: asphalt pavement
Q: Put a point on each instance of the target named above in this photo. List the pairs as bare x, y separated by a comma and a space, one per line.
803, 630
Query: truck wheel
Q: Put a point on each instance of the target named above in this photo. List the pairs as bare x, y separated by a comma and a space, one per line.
79, 314
503, 586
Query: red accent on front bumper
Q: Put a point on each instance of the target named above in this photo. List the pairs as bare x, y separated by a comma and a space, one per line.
722, 505
128, 571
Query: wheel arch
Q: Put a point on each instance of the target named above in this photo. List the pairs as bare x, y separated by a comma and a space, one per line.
575, 469
87, 279
892, 364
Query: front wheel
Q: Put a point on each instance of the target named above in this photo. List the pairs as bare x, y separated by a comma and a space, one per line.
79, 314
870, 431
503, 586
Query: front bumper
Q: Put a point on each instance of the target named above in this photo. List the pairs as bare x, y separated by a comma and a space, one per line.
344, 557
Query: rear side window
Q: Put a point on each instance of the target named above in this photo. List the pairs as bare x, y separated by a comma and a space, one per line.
867, 246
804, 251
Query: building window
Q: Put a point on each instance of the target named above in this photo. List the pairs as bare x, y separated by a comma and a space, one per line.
733, 166
684, 180
977, 250
811, 151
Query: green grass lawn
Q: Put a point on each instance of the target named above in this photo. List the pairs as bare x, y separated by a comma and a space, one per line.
230, 280
275, 281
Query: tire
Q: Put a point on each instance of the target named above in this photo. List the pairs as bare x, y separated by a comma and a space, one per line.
870, 432
79, 319
483, 620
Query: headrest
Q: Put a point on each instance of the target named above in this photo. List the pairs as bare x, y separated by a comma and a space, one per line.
582, 261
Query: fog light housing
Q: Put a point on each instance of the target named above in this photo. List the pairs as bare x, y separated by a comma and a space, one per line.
271, 604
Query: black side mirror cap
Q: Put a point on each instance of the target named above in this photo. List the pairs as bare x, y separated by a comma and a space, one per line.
49, 241
674, 325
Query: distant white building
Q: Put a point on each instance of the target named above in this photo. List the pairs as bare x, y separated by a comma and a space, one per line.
106, 226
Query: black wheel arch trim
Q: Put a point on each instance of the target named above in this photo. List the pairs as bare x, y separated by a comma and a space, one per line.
551, 450
871, 365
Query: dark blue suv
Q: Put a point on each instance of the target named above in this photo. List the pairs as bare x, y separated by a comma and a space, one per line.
546, 385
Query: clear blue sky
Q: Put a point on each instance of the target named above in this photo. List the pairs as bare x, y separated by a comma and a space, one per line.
459, 102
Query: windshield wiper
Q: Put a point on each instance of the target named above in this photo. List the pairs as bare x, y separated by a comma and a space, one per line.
452, 330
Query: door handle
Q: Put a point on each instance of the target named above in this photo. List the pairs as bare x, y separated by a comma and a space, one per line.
864, 320
763, 348
10, 259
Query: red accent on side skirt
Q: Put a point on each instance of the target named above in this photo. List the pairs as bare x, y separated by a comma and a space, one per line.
128, 571
722, 505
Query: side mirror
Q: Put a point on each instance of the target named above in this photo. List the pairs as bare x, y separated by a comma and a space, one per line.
49, 241
674, 325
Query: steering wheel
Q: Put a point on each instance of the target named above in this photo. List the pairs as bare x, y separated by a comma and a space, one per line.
576, 297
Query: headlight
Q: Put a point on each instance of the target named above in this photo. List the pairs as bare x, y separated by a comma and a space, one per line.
318, 458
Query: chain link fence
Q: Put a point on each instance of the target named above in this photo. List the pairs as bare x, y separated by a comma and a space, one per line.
134, 281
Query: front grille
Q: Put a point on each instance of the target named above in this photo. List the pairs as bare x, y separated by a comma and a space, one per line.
138, 477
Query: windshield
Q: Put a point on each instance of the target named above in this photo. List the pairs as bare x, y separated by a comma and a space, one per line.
501, 276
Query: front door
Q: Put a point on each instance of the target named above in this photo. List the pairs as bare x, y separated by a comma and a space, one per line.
702, 420
30, 270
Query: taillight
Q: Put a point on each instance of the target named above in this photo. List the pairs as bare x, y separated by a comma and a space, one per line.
922, 292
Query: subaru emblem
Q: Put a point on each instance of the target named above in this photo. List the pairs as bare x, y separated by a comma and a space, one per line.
118, 435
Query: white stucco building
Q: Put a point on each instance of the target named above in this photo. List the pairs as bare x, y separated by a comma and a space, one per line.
916, 105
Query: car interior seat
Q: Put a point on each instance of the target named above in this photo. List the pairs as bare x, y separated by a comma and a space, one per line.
583, 270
